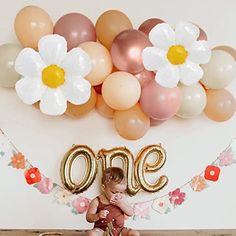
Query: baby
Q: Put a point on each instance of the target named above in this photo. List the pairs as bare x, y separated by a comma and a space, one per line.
110, 207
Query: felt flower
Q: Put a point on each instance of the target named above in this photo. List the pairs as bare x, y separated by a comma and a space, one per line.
53, 76
162, 205
198, 183
212, 173
45, 186
62, 197
80, 205
226, 158
177, 197
18, 161
176, 54
33, 175
141, 210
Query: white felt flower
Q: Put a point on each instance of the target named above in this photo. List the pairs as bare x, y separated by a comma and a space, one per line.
52, 75
176, 54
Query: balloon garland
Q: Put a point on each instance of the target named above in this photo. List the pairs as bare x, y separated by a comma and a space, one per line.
139, 77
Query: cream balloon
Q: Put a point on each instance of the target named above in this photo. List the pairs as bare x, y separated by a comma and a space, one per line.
101, 62
193, 101
8, 54
121, 90
220, 71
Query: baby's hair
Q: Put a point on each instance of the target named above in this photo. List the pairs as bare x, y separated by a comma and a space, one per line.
115, 174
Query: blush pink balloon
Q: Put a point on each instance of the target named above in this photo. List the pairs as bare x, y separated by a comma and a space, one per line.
159, 103
126, 50
147, 25
154, 122
144, 76
76, 29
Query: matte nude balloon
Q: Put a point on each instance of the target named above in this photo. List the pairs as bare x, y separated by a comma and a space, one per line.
31, 24
103, 108
131, 124
158, 102
144, 76
220, 105
193, 101
126, 50
101, 62
79, 110
219, 71
110, 24
121, 90
147, 25
76, 29
8, 54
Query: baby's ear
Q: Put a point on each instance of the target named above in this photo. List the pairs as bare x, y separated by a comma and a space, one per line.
103, 187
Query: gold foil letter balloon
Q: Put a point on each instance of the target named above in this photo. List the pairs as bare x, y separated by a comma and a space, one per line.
75, 152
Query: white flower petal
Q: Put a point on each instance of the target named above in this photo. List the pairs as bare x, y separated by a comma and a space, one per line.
52, 49
153, 58
77, 62
186, 33
29, 90
53, 102
168, 76
190, 73
199, 52
77, 90
162, 36
29, 63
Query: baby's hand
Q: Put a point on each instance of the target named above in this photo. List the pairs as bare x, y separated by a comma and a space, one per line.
103, 214
116, 200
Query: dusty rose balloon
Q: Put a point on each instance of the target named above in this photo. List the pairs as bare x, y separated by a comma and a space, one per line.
121, 90
202, 34
76, 111
147, 25
32, 23
76, 29
110, 24
220, 105
131, 124
126, 50
101, 62
144, 76
103, 108
158, 102
98, 88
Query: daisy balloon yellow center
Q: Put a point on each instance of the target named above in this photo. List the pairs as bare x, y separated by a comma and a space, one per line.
177, 54
53, 76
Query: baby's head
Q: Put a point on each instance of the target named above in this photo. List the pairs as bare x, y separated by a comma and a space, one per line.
113, 182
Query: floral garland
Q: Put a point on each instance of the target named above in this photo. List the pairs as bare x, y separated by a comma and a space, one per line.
147, 75
79, 204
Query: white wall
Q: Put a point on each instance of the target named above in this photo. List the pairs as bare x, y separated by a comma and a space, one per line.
190, 144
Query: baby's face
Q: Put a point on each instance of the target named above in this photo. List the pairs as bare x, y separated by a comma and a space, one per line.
114, 190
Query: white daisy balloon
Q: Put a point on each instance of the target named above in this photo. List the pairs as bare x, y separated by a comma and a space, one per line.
52, 75
176, 54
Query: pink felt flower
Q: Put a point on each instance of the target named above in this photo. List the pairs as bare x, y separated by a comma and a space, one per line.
80, 205
226, 158
141, 210
177, 197
45, 186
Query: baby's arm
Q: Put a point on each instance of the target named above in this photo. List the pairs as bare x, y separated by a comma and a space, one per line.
123, 205
91, 215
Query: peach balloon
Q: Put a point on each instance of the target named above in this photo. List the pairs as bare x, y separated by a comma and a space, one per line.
110, 24
101, 62
121, 90
32, 23
144, 76
79, 110
126, 50
147, 25
103, 108
220, 105
131, 124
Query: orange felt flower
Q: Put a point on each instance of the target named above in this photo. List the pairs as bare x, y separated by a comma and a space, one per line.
18, 161
32, 175
198, 183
